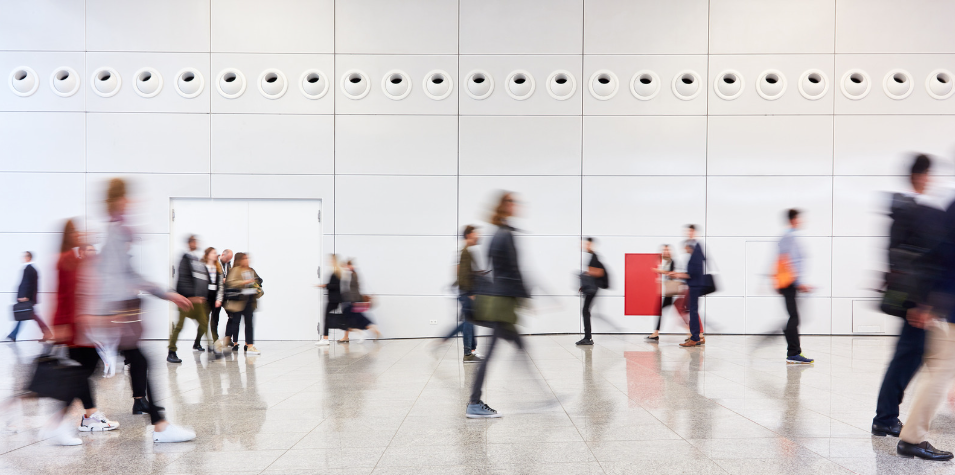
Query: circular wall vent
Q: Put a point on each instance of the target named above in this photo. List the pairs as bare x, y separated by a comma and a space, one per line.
438, 85
148, 82
396, 85
898, 84
480, 85
604, 84
106, 82
729, 85
645, 85
939, 85
230, 83
64, 81
355, 85
189, 83
813, 84
520, 85
686, 85
855, 84
24, 81
561, 85
771, 84
314, 84
273, 84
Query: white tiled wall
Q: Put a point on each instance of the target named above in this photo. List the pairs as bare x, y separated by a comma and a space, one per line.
399, 178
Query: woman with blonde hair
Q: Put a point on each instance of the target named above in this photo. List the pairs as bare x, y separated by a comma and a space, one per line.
333, 301
246, 283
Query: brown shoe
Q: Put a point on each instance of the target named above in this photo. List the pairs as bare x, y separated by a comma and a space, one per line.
690, 343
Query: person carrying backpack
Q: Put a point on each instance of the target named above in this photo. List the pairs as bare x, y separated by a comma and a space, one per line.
592, 280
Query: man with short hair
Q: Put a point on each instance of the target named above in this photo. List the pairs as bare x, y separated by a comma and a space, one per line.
27, 292
467, 284
192, 283
695, 280
592, 279
790, 256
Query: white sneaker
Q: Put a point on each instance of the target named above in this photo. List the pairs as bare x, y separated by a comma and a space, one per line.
322, 342
251, 350
61, 435
173, 433
97, 423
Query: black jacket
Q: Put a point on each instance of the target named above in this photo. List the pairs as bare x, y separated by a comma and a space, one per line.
334, 289
28, 284
920, 231
502, 259
193, 278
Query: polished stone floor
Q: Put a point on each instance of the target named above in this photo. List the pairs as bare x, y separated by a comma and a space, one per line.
397, 406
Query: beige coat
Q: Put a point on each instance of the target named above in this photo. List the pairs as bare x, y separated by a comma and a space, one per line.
234, 281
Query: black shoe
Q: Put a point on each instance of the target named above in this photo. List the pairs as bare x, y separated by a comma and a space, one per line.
924, 451
172, 358
653, 338
585, 341
198, 347
141, 406
235, 347
880, 430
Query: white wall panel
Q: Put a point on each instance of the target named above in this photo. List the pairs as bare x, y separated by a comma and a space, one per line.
877, 66
273, 144
150, 143
428, 269
29, 151
44, 64
281, 186
774, 26
39, 202
751, 67
402, 316
886, 144
645, 27
645, 145
376, 67
723, 315
886, 26
550, 265
396, 145
173, 25
539, 103
625, 103
395, 205
553, 315
769, 145
527, 27
860, 204
387, 27
547, 205
618, 205
756, 206
858, 266
45, 248
767, 315
520, 145
42, 25
726, 260
278, 26
149, 194
293, 66
167, 64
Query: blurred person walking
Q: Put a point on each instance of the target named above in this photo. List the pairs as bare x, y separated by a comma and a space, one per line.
214, 296
695, 281
27, 299
192, 283
497, 308
671, 287
592, 280
333, 299
468, 278
118, 286
910, 236
355, 305
789, 281
247, 283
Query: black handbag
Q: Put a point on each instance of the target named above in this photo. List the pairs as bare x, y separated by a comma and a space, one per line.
709, 284
23, 311
53, 379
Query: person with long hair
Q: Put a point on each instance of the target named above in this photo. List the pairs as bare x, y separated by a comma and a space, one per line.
498, 309
245, 281
333, 300
355, 305
214, 297
118, 288
666, 267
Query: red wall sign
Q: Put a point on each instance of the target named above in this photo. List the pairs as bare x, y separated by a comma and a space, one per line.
641, 293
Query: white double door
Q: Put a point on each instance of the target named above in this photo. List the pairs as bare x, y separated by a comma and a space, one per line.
283, 239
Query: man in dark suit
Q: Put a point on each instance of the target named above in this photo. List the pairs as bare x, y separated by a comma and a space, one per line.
27, 292
694, 277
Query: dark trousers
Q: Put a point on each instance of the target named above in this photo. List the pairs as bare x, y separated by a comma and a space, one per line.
36, 318
500, 330
139, 375
213, 319
232, 328
585, 313
792, 326
905, 362
329, 308
667, 301
88, 359
693, 306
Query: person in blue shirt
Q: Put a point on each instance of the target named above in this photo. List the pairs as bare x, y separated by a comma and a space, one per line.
789, 248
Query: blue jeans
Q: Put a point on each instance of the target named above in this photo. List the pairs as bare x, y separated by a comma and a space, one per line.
693, 306
465, 327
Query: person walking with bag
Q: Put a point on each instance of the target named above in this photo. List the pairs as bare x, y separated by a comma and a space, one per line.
789, 281
214, 297
671, 287
468, 279
695, 277
244, 279
333, 299
498, 308
27, 300
592, 280
193, 283
355, 306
